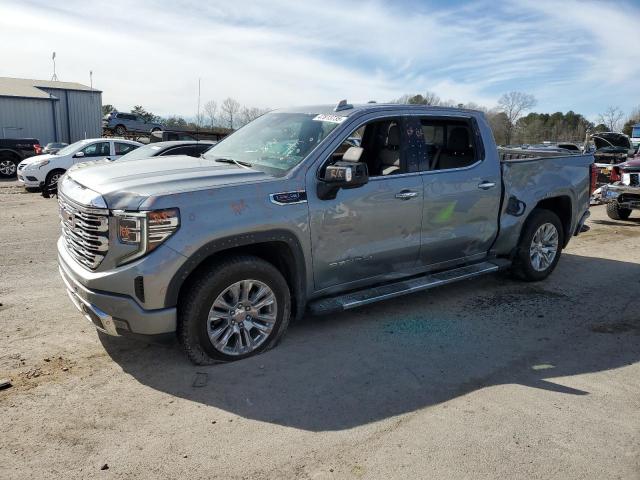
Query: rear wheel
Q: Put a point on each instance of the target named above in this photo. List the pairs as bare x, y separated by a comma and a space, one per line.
539, 247
239, 308
8, 166
616, 213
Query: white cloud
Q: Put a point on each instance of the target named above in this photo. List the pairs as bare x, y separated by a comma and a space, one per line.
280, 52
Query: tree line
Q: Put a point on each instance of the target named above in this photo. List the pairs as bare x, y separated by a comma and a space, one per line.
228, 114
511, 121
511, 124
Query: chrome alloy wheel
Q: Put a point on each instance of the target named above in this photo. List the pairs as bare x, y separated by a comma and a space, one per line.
544, 247
7, 168
242, 317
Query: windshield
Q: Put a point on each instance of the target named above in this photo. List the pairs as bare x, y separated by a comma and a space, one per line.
71, 148
141, 152
276, 140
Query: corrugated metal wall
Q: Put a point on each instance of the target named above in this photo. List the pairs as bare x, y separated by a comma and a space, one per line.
78, 115
26, 118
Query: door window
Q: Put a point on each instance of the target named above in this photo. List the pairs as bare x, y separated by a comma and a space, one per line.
122, 148
99, 149
383, 143
450, 143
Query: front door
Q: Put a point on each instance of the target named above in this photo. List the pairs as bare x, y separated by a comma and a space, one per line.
373, 231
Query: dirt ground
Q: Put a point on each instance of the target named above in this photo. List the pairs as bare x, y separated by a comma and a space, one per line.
491, 378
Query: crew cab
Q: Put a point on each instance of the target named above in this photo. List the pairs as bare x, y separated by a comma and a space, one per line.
13, 151
287, 215
45, 170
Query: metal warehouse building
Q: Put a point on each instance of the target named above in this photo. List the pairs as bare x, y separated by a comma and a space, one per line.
49, 111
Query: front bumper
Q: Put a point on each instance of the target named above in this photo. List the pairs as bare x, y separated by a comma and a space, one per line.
112, 313
626, 196
29, 178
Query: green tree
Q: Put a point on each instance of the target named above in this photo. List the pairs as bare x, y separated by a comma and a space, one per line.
108, 108
148, 116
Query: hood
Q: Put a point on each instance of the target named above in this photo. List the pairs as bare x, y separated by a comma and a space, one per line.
37, 158
128, 184
611, 139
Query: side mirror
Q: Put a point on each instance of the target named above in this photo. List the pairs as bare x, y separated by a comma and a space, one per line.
343, 174
78, 155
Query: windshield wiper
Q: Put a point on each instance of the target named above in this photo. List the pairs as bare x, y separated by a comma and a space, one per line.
240, 163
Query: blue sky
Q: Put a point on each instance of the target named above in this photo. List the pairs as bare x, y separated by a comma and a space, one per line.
582, 56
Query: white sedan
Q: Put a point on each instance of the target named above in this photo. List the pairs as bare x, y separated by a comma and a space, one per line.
44, 170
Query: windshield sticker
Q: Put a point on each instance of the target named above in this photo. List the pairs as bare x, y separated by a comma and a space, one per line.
329, 118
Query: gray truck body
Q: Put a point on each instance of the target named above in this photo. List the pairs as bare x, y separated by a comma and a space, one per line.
388, 229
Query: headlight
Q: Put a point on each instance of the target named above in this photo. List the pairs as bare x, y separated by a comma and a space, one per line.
38, 164
145, 230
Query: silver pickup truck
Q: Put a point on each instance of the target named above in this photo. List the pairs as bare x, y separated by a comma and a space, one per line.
314, 209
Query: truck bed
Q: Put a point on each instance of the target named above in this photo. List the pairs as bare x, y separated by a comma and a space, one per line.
528, 181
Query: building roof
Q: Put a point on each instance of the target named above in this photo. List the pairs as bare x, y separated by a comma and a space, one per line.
28, 88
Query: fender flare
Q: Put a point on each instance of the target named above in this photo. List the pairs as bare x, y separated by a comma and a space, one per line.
219, 245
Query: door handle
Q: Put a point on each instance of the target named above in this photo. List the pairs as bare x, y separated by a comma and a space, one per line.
406, 194
486, 185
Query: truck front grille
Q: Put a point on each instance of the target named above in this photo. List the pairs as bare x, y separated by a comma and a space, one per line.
85, 232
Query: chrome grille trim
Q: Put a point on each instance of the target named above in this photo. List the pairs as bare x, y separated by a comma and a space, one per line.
85, 231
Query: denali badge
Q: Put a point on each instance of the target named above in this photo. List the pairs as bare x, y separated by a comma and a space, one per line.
288, 198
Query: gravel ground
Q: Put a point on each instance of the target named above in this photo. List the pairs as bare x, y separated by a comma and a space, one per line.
491, 378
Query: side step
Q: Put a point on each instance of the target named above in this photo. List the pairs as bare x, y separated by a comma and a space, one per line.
383, 292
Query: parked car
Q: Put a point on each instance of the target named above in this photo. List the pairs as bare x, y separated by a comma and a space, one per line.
280, 218
623, 196
161, 149
53, 147
45, 170
611, 149
13, 151
122, 123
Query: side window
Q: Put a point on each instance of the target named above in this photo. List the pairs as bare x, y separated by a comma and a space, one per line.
381, 142
99, 149
449, 143
183, 150
122, 148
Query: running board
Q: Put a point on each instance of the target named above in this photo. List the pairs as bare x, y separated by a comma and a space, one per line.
396, 289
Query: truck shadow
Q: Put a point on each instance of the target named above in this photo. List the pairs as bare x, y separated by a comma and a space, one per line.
394, 357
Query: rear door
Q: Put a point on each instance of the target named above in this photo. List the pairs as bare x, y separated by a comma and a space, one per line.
373, 231
461, 192
121, 148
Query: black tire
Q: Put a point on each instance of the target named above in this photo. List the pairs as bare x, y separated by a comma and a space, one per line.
193, 308
8, 166
120, 130
523, 267
53, 175
616, 213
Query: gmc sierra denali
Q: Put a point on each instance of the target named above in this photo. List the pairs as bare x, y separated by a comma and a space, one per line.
290, 214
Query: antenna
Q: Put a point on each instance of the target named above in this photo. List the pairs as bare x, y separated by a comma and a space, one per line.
198, 112
54, 78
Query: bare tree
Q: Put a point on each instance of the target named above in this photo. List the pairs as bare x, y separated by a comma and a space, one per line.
612, 118
248, 114
229, 108
513, 105
430, 98
210, 110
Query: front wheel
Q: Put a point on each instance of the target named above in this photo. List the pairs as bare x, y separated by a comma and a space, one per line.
539, 247
615, 212
239, 308
120, 130
51, 182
